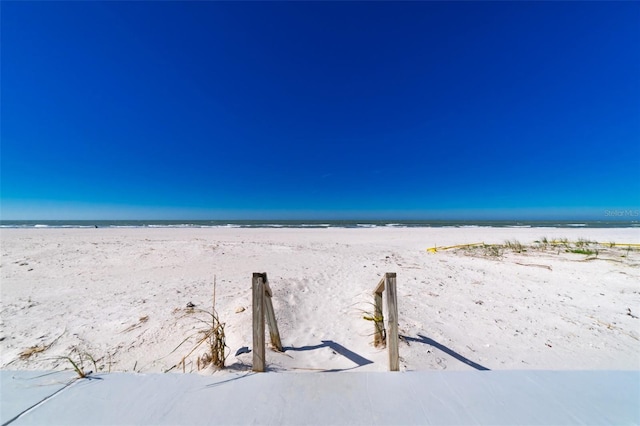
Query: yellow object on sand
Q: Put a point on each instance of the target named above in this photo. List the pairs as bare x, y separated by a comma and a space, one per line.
620, 244
435, 249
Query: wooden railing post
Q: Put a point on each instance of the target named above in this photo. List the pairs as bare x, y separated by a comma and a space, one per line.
257, 290
263, 306
392, 307
274, 334
379, 337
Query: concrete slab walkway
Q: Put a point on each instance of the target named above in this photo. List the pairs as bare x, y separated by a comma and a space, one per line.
411, 398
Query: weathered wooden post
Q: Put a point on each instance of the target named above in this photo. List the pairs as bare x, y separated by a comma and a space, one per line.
263, 306
388, 282
274, 334
392, 307
257, 289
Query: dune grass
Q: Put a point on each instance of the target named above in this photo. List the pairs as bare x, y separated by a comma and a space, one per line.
514, 246
378, 322
581, 246
584, 251
79, 368
210, 334
77, 359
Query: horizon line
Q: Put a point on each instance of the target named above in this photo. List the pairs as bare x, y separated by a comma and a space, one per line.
611, 219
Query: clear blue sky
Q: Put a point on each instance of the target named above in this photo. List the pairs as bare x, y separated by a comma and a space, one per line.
211, 110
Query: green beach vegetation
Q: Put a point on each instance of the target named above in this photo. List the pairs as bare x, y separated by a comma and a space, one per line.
581, 246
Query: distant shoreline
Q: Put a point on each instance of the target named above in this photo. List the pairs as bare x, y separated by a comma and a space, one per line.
318, 224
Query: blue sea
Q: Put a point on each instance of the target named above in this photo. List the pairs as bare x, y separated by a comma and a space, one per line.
315, 224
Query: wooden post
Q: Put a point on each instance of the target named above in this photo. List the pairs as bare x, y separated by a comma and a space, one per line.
257, 289
392, 307
379, 336
274, 334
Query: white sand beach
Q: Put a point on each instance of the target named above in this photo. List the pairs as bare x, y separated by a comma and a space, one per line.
121, 296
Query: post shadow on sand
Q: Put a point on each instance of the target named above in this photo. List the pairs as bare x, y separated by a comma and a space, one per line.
233, 379
443, 348
337, 348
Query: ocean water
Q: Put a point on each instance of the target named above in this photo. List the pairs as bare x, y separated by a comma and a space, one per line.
314, 224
